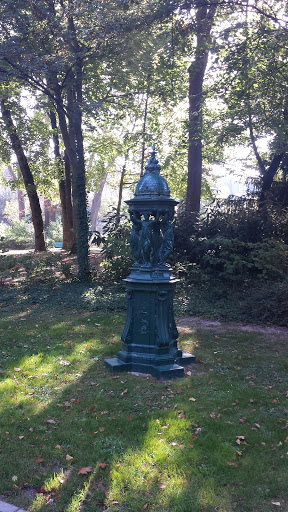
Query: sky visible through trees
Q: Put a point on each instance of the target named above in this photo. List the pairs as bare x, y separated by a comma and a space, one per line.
114, 76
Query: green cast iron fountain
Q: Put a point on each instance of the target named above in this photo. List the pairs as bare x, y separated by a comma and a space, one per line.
150, 333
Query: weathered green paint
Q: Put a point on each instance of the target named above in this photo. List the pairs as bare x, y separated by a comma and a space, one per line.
150, 333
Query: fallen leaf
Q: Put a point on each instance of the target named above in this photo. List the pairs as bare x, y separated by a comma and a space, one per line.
232, 464
103, 465
21, 437
17, 369
257, 425
213, 415
277, 503
163, 486
85, 471
101, 429
124, 392
181, 416
53, 422
38, 461
68, 457
192, 399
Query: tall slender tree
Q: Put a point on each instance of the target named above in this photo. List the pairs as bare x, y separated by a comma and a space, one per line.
26, 174
205, 13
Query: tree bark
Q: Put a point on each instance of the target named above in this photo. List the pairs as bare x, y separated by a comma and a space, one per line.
121, 186
69, 233
28, 179
47, 212
144, 131
268, 177
267, 174
69, 238
204, 20
73, 141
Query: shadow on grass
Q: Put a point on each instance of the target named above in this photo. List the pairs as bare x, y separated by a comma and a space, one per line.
74, 296
136, 441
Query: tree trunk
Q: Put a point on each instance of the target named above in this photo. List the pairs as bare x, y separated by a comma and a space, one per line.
69, 234
96, 203
267, 175
204, 21
69, 238
121, 186
47, 212
267, 178
30, 186
73, 142
144, 131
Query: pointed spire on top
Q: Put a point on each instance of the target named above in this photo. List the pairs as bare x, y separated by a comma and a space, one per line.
153, 166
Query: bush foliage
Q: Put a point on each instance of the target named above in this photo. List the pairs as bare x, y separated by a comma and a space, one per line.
18, 236
232, 264
232, 261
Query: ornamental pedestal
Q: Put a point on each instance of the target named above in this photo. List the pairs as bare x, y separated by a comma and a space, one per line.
150, 333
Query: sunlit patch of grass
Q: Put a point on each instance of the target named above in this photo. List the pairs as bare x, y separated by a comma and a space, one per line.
170, 446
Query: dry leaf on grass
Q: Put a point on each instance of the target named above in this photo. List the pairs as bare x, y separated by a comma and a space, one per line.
85, 471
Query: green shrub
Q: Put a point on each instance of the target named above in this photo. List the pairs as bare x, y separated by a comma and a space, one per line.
18, 236
118, 257
266, 301
234, 239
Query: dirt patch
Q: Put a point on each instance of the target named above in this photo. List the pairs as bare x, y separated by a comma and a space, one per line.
187, 323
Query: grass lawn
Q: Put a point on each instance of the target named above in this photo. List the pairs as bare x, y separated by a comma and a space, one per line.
74, 437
